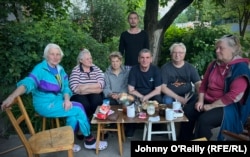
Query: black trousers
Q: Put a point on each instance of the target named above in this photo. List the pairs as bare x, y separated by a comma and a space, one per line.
200, 123
89, 102
113, 102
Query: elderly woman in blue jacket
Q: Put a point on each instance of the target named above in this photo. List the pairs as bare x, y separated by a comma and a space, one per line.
48, 83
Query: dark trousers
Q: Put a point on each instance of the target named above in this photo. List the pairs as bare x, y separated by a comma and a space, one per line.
113, 102
89, 102
158, 98
200, 123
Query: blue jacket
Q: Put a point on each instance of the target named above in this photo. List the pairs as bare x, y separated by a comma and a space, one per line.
45, 89
236, 114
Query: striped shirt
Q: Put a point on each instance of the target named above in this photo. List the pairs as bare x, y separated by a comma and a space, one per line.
78, 76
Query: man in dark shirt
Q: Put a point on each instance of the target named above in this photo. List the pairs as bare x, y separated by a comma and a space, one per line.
144, 82
132, 41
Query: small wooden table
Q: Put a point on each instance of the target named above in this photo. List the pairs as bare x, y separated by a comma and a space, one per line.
148, 125
122, 118
101, 127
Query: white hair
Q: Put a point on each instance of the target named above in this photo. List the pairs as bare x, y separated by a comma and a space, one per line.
49, 46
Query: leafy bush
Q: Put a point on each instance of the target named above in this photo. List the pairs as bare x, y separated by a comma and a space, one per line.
25, 42
246, 46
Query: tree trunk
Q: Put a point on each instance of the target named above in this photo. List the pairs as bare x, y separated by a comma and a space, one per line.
156, 29
244, 22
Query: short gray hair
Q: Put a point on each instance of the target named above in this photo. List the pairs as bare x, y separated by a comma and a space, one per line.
145, 51
81, 55
171, 49
48, 47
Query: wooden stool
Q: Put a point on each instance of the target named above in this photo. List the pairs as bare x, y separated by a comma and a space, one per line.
53, 121
148, 131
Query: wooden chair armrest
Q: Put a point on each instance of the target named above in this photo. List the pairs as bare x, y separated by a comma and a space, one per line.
234, 136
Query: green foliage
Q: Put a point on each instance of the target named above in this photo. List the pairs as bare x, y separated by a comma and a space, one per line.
107, 22
133, 5
222, 12
173, 34
17, 51
24, 44
36, 9
246, 46
112, 44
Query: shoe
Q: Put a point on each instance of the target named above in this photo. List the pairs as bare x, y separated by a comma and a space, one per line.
76, 148
80, 137
102, 145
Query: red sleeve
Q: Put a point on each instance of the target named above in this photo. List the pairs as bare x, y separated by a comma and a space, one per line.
204, 82
236, 91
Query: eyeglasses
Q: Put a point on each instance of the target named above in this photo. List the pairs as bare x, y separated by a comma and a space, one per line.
228, 36
178, 52
234, 38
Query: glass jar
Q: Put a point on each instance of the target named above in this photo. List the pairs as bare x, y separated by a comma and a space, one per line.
151, 108
125, 105
138, 106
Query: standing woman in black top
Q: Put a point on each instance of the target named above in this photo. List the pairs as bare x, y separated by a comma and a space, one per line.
132, 41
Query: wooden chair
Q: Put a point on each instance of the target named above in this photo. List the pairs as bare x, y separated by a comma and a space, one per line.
54, 122
48, 141
230, 136
200, 139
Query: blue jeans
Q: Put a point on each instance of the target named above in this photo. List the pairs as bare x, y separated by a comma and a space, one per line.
167, 100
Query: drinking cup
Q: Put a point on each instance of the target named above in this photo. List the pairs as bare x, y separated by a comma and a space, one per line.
170, 114
131, 111
176, 105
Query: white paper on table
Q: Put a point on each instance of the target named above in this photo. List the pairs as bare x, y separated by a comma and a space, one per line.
154, 119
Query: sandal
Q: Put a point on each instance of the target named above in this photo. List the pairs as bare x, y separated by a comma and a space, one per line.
102, 145
76, 148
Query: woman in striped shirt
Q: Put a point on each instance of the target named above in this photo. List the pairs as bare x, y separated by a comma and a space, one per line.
87, 83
